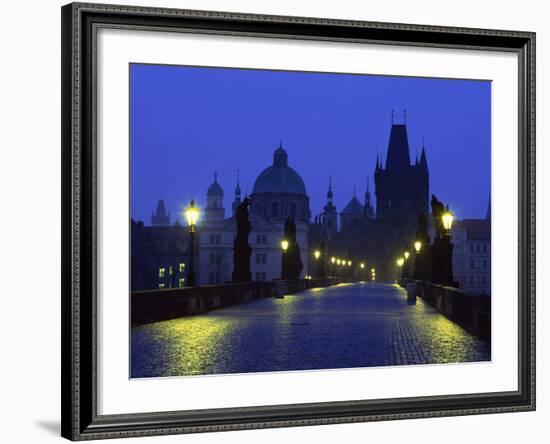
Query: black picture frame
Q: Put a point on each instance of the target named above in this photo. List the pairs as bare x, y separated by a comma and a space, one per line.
79, 171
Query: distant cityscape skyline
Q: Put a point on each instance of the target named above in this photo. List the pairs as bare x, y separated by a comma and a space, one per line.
188, 123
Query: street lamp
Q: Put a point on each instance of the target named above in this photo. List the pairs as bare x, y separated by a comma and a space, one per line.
362, 265
406, 254
400, 262
417, 259
192, 216
447, 219
284, 247
317, 255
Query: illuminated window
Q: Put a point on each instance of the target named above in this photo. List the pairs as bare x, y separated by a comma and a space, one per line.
181, 282
161, 285
170, 270
182, 267
162, 272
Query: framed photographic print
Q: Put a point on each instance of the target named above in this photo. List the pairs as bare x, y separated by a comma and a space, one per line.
279, 221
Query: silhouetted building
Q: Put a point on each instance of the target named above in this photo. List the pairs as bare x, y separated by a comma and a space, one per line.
159, 256
402, 191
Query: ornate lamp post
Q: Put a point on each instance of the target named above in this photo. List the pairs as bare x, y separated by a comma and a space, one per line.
447, 219
362, 267
400, 263
284, 247
332, 262
192, 216
417, 248
317, 255
406, 265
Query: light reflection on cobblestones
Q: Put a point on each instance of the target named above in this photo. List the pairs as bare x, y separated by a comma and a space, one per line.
359, 325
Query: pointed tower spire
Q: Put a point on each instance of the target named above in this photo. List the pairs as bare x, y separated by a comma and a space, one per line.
237, 200
398, 159
423, 159
238, 187
329, 193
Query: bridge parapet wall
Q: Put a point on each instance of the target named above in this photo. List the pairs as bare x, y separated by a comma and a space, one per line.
163, 304
471, 311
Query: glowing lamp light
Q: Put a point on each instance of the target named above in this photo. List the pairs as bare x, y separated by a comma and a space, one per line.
338, 261
332, 260
447, 219
406, 254
349, 263
192, 215
362, 265
373, 271
317, 254
417, 246
284, 245
400, 262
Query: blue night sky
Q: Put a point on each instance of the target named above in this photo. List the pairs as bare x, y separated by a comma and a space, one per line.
188, 122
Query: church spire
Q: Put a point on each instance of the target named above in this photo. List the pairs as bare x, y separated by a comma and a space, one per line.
237, 200
329, 193
238, 187
160, 218
423, 159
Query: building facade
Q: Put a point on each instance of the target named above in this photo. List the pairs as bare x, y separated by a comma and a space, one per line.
472, 254
278, 192
159, 256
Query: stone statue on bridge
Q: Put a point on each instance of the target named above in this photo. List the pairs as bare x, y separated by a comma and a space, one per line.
292, 261
442, 248
437, 212
241, 248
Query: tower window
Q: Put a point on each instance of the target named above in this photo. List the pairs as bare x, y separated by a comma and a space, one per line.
162, 272
293, 209
274, 209
181, 267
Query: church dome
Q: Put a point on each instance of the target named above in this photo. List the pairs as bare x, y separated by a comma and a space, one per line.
279, 177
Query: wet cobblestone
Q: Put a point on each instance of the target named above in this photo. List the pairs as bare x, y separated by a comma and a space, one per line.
345, 326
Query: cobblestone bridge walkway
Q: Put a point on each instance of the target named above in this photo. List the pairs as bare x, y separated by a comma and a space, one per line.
349, 325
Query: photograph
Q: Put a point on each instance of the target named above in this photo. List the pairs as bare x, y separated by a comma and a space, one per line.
298, 221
